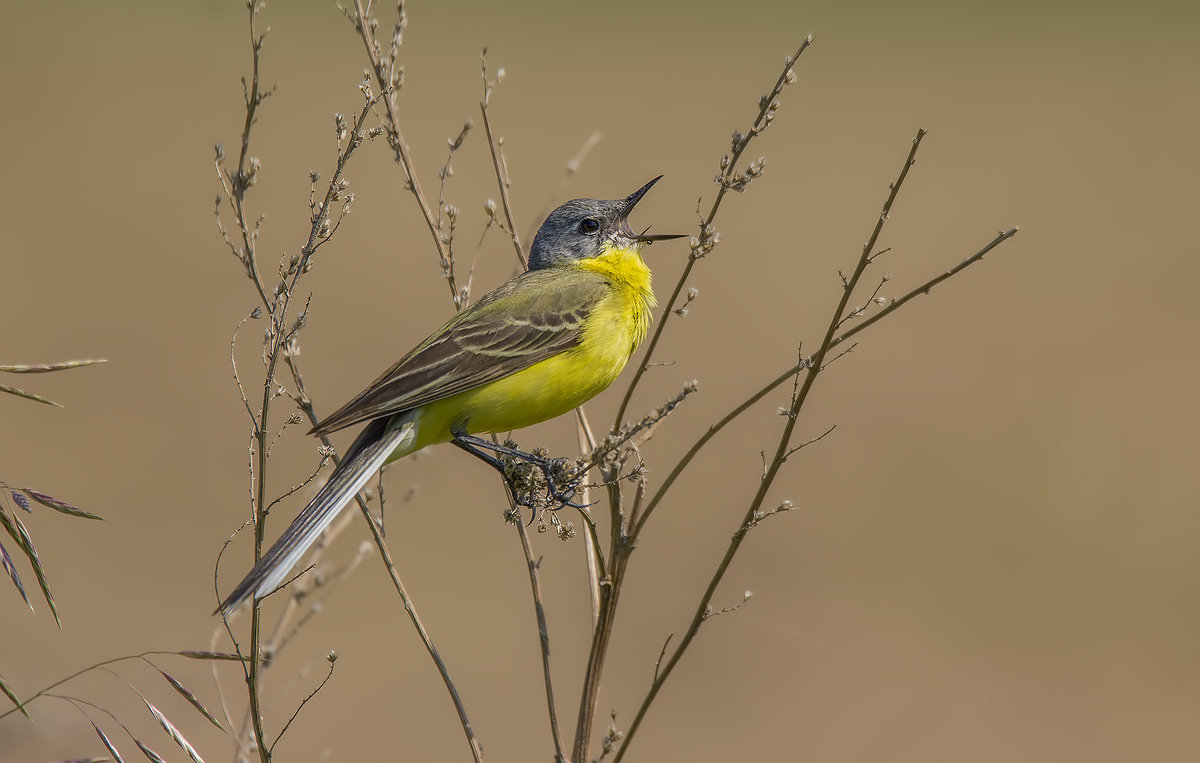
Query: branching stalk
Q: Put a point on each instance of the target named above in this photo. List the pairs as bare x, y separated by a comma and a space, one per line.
386, 81
810, 368
707, 237
622, 543
498, 163
543, 638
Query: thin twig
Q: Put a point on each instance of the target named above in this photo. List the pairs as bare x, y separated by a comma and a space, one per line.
386, 556
816, 439
543, 637
386, 80
236, 185
592, 554
926, 287
240, 183
460, 297
332, 662
811, 368
255, 313
622, 544
790, 373
278, 340
708, 237
496, 147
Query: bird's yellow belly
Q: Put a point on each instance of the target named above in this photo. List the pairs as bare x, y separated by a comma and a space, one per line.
541, 392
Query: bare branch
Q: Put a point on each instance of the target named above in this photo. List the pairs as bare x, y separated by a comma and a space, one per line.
388, 79
543, 637
332, 658
708, 237
497, 149
409, 607
811, 368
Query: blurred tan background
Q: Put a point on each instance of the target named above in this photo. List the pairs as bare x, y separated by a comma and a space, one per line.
996, 553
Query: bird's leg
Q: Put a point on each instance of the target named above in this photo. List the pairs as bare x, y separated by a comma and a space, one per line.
477, 447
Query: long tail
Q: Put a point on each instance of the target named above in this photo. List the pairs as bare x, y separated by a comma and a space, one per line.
362, 460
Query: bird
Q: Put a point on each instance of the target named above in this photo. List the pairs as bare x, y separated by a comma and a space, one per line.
534, 348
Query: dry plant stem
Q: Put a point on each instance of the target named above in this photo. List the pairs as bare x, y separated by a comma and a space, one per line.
810, 372
306, 405
240, 183
277, 306
791, 372
306, 700
278, 341
284, 628
713, 429
254, 98
810, 368
587, 444
620, 547
609, 596
383, 80
760, 124
622, 544
543, 636
539, 612
254, 669
925, 288
498, 162
468, 730
320, 232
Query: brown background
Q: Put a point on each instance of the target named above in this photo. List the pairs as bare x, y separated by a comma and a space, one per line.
995, 556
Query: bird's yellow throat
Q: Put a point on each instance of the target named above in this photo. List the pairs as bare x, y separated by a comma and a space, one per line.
632, 294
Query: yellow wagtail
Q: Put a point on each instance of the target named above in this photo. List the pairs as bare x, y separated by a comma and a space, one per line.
536, 347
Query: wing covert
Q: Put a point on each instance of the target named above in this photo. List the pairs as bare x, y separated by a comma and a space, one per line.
533, 317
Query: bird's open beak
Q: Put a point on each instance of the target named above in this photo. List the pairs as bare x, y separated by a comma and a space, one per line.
630, 202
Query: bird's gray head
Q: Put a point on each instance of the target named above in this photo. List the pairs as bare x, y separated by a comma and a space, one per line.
580, 229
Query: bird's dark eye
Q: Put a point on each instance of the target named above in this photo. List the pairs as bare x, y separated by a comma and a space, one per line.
589, 225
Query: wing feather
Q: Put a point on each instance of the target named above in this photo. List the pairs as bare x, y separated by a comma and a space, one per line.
533, 317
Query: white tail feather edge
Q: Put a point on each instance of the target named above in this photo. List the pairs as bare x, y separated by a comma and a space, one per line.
345, 482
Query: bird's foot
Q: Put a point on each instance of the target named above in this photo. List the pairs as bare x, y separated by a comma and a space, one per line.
540, 482
537, 481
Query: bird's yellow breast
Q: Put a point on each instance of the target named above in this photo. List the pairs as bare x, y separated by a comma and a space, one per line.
624, 316
613, 329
